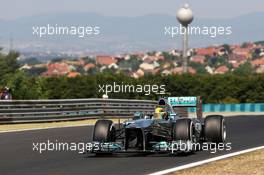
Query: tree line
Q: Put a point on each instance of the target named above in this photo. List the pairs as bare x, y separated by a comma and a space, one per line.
226, 88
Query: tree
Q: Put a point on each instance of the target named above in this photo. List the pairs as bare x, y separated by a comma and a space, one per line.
23, 87
31, 61
169, 57
8, 66
35, 71
88, 60
244, 45
244, 69
200, 68
256, 54
132, 63
8, 63
259, 42
227, 48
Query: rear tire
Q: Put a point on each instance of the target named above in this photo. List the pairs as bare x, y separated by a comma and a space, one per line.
215, 128
183, 130
104, 131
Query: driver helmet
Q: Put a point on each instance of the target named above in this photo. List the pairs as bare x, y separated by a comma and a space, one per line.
159, 112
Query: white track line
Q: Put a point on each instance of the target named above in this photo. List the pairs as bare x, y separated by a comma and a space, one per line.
33, 129
205, 161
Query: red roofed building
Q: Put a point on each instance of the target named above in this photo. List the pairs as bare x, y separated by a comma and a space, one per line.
245, 52
221, 70
237, 58
210, 51
258, 62
73, 74
81, 62
191, 70
198, 59
236, 64
234, 46
105, 60
250, 45
88, 66
179, 70
57, 69
160, 57
149, 60
138, 73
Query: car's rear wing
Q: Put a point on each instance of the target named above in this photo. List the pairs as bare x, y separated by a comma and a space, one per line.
182, 101
191, 101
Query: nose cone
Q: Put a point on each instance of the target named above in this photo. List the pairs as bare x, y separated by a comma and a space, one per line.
185, 15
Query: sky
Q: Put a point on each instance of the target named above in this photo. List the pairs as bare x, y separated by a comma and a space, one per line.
13, 9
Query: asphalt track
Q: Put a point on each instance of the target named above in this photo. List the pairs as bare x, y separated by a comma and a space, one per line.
17, 157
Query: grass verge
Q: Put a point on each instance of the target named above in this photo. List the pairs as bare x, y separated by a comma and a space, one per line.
246, 164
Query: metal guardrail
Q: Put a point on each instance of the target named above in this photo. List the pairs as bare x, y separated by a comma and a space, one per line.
26, 111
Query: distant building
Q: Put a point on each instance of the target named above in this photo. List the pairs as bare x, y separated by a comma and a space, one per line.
258, 62
150, 59
113, 66
221, 70
25, 67
198, 59
222, 51
236, 64
234, 58
209, 69
243, 52
105, 60
57, 69
89, 66
138, 73
73, 74
147, 66
260, 69
166, 72
210, 51
175, 53
179, 70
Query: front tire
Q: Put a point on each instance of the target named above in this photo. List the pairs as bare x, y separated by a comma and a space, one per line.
215, 128
104, 131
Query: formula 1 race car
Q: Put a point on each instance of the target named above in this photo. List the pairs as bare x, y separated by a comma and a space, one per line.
162, 131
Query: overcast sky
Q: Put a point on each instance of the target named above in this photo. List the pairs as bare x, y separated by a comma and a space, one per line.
11, 9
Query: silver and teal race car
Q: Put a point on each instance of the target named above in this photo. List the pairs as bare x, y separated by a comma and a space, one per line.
163, 131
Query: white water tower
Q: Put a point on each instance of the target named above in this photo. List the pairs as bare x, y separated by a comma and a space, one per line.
185, 17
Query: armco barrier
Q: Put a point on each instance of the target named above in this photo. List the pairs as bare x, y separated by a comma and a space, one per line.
25, 111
